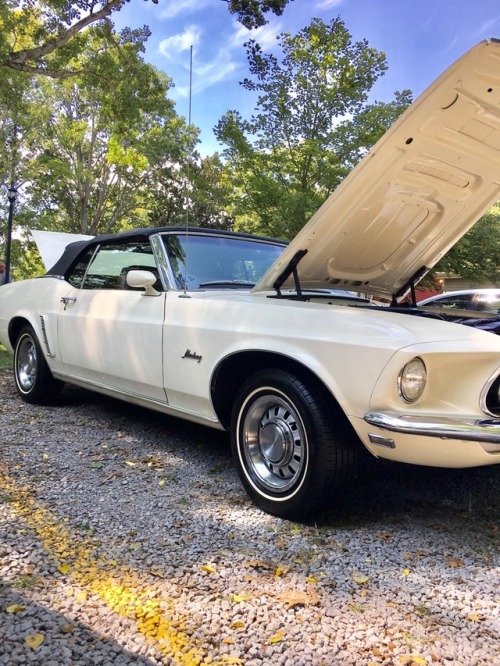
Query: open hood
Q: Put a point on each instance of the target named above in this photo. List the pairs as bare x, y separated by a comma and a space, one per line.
413, 196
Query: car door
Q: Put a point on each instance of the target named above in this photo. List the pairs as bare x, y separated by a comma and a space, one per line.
108, 334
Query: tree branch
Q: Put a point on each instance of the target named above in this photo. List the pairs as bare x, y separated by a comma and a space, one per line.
19, 59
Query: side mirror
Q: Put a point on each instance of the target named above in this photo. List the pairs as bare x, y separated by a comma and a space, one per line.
143, 279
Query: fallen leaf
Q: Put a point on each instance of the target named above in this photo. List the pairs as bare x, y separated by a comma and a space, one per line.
406, 572
228, 641
299, 598
360, 579
63, 568
68, 628
475, 617
413, 659
208, 568
238, 598
15, 608
34, 640
130, 464
277, 638
237, 624
455, 562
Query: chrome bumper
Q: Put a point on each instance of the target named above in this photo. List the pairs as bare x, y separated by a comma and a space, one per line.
486, 431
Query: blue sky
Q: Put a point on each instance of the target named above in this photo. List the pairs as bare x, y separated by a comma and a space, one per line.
420, 38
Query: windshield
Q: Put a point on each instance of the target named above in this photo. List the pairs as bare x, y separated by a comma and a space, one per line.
211, 261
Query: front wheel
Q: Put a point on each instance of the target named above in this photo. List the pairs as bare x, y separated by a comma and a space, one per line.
34, 381
291, 445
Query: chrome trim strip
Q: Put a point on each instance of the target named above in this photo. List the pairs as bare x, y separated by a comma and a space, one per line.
470, 429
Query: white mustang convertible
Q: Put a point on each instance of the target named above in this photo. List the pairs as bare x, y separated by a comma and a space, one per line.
266, 340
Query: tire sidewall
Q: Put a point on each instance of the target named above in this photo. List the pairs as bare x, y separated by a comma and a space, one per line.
283, 385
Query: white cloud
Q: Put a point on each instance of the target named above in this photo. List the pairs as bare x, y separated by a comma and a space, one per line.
209, 68
265, 35
328, 4
172, 46
176, 7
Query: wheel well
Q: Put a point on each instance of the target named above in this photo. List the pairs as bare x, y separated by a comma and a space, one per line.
15, 327
234, 370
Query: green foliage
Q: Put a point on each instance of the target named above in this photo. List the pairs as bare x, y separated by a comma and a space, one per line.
311, 124
101, 140
251, 13
476, 256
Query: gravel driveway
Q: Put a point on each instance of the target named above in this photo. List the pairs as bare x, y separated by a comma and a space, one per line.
125, 538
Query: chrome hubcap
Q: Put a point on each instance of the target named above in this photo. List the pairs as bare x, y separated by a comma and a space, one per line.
26, 364
274, 442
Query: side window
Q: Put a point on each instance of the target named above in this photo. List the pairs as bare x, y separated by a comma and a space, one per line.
107, 267
457, 302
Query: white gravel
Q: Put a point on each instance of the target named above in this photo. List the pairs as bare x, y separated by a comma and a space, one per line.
125, 538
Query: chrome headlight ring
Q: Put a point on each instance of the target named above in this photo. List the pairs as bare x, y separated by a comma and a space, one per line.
412, 380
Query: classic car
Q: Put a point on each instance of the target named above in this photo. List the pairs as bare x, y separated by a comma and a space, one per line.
250, 335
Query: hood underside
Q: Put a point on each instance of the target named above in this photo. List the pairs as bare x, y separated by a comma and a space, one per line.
414, 195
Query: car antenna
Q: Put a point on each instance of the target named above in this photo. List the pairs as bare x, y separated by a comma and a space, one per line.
186, 272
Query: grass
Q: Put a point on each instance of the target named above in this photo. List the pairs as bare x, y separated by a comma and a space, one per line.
5, 358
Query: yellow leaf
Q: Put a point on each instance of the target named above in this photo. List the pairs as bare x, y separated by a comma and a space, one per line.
311, 579
360, 579
228, 641
406, 572
238, 598
276, 638
161, 482
413, 659
15, 608
208, 568
63, 568
237, 624
474, 617
34, 640
129, 463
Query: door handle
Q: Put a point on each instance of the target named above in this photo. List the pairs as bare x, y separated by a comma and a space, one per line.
66, 300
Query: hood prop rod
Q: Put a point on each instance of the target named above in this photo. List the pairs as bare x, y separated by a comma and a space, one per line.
415, 279
290, 269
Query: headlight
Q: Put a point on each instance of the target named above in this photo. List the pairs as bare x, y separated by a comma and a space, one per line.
412, 380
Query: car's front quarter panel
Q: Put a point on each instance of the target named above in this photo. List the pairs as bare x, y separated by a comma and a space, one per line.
458, 375
36, 302
204, 330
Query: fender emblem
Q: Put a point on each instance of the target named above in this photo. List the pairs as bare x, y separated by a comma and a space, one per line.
193, 355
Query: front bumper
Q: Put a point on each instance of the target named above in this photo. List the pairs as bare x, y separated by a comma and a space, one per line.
485, 431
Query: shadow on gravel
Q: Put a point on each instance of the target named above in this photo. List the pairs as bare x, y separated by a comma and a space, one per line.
382, 491
65, 640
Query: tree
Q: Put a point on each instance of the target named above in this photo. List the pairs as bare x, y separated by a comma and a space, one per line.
41, 36
476, 256
100, 144
191, 193
311, 124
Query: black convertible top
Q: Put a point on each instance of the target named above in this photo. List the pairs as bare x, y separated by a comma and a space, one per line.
75, 249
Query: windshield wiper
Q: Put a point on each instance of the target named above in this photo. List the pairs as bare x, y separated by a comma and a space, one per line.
227, 283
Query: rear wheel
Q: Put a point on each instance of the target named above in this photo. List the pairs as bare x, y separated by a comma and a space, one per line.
34, 381
290, 444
